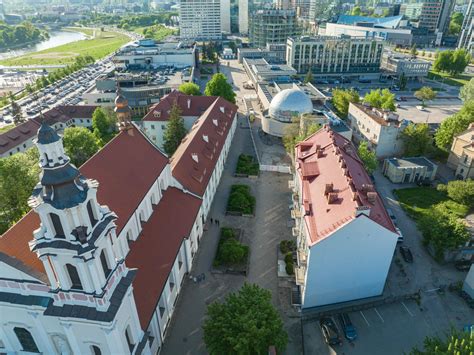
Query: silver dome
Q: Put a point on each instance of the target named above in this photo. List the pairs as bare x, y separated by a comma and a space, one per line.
288, 103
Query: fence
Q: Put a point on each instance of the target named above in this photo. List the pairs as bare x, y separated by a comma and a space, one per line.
276, 168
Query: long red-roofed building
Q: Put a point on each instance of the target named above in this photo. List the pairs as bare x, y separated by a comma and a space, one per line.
346, 239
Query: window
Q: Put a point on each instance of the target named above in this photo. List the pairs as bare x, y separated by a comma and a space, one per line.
162, 311
171, 286
90, 212
26, 340
105, 265
129, 339
152, 126
58, 227
74, 277
96, 350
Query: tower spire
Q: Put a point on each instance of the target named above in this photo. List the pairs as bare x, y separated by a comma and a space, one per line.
122, 110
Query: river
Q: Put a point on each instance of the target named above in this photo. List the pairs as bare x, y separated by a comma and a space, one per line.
56, 38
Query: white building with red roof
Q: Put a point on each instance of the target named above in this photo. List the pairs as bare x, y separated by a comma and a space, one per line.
97, 266
345, 238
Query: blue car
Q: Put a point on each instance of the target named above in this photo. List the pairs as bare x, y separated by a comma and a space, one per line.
347, 327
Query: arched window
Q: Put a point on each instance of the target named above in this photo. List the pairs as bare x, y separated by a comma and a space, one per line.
74, 277
26, 340
46, 158
128, 336
90, 212
58, 227
96, 350
105, 264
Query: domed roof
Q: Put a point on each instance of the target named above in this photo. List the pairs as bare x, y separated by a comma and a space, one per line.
121, 101
290, 102
47, 134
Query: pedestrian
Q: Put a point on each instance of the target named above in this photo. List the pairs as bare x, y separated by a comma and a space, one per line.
212, 221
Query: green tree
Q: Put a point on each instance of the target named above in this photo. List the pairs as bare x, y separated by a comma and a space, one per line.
103, 125
245, 323
18, 176
461, 191
467, 91
341, 99
456, 23
383, 99
309, 77
368, 157
356, 11
300, 129
80, 144
425, 94
204, 51
190, 89
218, 86
455, 343
414, 51
402, 82
416, 139
452, 61
15, 109
175, 131
454, 125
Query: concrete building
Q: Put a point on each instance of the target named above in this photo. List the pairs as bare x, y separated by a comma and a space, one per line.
466, 39
461, 157
200, 19
412, 11
409, 170
243, 16
335, 56
412, 68
272, 26
225, 16
395, 36
380, 129
272, 53
148, 54
259, 70
98, 269
435, 15
342, 228
20, 138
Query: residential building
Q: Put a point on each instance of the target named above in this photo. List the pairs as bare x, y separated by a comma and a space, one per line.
272, 26
435, 15
335, 56
98, 268
259, 70
409, 170
148, 54
380, 129
411, 68
466, 39
272, 53
20, 138
461, 157
343, 231
200, 20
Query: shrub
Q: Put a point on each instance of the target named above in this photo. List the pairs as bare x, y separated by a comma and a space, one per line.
289, 257
247, 165
232, 252
284, 246
240, 199
289, 268
227, 233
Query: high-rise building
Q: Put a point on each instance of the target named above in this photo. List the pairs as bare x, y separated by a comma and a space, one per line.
435, 15
200, 19
301, 7
225, 16
466, 40
272, 26
331, 55
323, 9
243, 16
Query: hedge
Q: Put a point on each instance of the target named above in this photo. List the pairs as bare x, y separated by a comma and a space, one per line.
241, 200
247, 165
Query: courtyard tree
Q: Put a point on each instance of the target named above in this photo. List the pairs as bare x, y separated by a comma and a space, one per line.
467, 91
218, 86
341, 99
175, 130
460, 191
425, 94
104, 125
416, 139
454, 343
456, 23
452, 61
382, 99
245, 323
368, 157
454, 125
299, 129
414, 51
190, 89
80, 144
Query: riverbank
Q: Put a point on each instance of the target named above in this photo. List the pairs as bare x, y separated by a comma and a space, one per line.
104, 43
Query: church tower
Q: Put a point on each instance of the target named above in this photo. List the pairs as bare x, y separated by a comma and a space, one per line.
122, 110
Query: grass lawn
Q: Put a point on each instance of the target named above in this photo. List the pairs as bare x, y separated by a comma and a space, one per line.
104, 44
87, 31
416, 201
156, 32
6, 128
454, 80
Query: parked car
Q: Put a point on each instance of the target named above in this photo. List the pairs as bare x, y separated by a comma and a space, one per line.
463, 265
406, 254
392, 216
330, 331
347, 327
419, 107
400, 235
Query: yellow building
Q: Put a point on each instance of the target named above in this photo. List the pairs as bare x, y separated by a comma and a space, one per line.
461, 157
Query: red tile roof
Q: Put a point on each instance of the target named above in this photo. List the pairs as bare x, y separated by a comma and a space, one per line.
155, 250
65, 113
335, 184
189, 105
18, 135
201, 147
125, 168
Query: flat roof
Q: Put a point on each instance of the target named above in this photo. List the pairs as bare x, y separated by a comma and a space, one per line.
412, 162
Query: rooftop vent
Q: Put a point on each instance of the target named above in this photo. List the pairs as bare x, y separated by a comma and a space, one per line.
371, 197
328, 188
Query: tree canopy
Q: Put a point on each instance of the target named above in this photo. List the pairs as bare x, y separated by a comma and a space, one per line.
80, 144
454, 125
368, 157
175, 131
425, 94
20, 35
245, 323
18, 176
416, 139
190, 89
300, 129
104, 125
456, 23
452, 61
467, 91
460, 191
455, 343
341, 99
382, 99
218, 86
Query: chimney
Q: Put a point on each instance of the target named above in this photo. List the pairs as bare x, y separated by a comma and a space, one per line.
328, 188
371, 197
189, 104
332, 197
319, 153
362, 210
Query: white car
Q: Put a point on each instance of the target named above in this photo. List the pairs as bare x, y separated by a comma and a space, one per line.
421, 108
